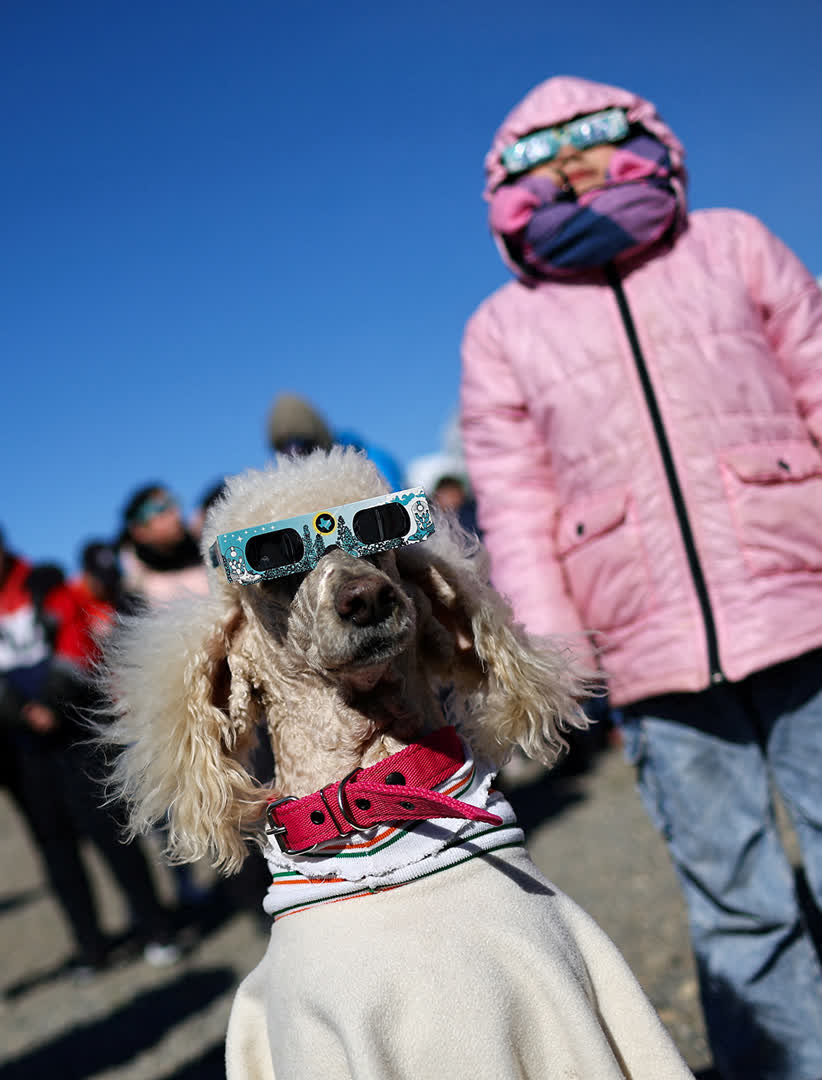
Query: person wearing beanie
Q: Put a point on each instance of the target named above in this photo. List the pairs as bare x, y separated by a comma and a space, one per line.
641, 413
296, 427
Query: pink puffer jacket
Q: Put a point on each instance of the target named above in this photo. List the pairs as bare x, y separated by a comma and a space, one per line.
665, 493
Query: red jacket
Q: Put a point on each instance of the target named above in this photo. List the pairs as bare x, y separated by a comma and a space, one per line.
23, 639
95, 617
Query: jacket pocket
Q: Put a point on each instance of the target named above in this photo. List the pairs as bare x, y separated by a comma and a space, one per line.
603, 560
775, 495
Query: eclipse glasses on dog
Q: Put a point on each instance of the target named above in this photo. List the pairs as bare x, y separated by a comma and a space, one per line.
295, 545
610, 125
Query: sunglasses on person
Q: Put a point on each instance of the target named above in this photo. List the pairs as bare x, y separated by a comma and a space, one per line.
295, 545
610, 125
157, 504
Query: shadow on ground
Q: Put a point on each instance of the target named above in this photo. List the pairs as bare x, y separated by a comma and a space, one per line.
20, 899
191, 925
210, 1065
537, 794
119, 1037
545, 797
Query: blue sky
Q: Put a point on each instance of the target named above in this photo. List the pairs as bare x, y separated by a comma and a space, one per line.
206, 203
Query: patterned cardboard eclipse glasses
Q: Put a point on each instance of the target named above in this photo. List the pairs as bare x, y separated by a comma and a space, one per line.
611, 125
295, 545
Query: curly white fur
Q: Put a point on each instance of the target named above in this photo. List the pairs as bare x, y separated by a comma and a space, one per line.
191, 683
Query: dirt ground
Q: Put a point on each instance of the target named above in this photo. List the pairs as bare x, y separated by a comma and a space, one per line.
589, 834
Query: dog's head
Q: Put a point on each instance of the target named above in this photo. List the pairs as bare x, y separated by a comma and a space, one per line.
341, 663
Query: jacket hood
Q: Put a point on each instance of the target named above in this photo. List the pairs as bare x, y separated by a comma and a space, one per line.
558, 100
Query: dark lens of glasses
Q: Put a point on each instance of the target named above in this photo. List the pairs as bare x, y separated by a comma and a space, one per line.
272, 551
378, 523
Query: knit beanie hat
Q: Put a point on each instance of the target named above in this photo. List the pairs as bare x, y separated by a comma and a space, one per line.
294, 424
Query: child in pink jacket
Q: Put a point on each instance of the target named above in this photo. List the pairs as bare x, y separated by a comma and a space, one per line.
642, 415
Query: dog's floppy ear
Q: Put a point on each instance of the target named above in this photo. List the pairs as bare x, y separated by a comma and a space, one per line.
520, 690
184, 713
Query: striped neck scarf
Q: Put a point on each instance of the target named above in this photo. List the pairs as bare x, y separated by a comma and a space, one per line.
551, 233
389, 855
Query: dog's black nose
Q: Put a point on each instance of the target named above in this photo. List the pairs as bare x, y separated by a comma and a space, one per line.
366, 601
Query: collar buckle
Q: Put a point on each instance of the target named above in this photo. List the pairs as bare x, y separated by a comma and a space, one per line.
278, 831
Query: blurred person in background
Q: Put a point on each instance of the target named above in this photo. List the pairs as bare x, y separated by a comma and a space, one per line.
45, 642
296, 427
641, 418
451, 495
160, 560
99, 590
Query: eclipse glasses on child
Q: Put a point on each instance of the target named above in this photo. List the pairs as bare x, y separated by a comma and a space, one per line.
611, 125
295, 545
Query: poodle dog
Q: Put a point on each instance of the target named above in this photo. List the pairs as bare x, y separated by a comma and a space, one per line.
361, 634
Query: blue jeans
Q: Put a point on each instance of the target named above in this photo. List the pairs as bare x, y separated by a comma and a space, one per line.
705, 764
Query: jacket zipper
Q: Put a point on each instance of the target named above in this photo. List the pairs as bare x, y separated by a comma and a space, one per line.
715, 671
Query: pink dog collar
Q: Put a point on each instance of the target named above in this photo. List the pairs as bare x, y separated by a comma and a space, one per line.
398, 788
